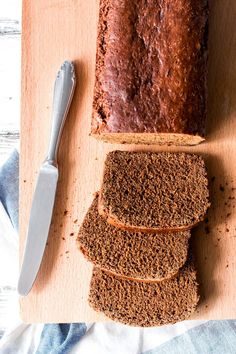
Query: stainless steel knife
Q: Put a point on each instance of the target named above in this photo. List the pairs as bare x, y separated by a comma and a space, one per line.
45, 191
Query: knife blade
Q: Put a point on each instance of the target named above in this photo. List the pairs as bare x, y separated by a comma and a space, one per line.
45, 190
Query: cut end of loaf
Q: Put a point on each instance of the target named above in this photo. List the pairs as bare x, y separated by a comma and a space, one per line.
150, 138
154, 192
144, 257
145, 304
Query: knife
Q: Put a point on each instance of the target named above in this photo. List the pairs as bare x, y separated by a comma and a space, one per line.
45, 191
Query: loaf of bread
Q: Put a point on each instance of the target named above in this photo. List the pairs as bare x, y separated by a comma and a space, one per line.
154, 192
145, 304
150, 84
151, 257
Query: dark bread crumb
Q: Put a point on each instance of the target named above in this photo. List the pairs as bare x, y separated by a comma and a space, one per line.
147, 191
65, 212
145, 304
134, 255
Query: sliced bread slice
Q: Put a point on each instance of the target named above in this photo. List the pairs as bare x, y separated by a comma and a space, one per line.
145, 304
142, 256
154, 192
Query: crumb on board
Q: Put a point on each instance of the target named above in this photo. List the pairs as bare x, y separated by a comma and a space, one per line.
222, 188
65, 212
227, 266
72, 234
228, 215
63, 238
75, 221
213, 179
24, 181
227, 230
67, 252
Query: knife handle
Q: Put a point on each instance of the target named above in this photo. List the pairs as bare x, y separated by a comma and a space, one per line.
63, 92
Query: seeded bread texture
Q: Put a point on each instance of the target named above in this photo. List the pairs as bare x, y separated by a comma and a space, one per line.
140, 256
154, 192
145, 304
151, 71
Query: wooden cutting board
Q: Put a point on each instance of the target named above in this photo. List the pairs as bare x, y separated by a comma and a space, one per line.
55, 30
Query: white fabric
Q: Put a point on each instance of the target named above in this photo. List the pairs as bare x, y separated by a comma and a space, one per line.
9, 259
19, 338
107, 338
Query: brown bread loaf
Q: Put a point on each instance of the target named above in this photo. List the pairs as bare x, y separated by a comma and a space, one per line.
150, 84
145, 304
154, 192
152, 257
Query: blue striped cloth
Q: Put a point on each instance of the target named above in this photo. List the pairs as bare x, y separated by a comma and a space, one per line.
216, 337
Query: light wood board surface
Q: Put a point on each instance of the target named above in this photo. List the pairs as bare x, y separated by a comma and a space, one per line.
57, 30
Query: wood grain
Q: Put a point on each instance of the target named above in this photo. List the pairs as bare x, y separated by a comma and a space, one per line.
57, 30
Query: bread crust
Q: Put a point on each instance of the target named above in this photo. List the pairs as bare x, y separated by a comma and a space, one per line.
143, 92
112, 220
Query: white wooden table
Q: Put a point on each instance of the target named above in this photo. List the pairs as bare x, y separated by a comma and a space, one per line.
10, 54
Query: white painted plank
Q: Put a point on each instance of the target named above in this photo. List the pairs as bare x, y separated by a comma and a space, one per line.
10, 9
10, 61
